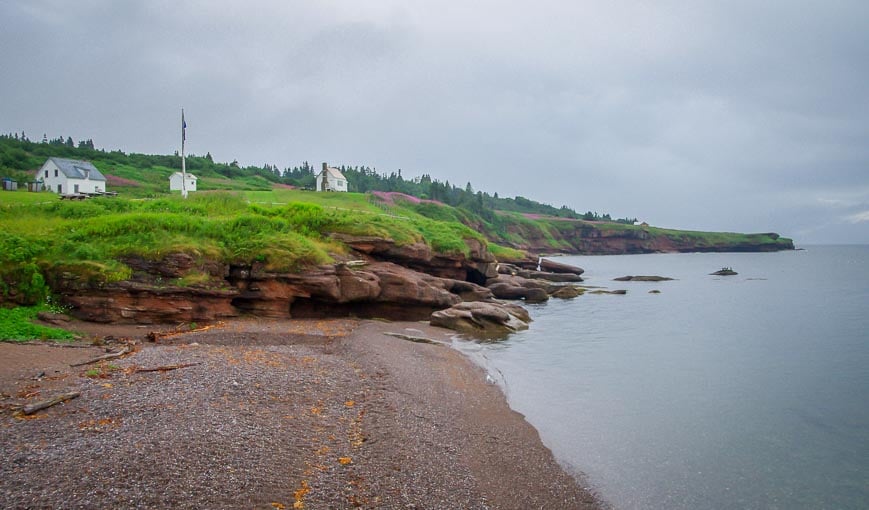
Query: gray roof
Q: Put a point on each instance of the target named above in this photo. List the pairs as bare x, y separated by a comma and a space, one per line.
75, 169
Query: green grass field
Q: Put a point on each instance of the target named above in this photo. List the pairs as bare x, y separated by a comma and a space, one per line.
22, 197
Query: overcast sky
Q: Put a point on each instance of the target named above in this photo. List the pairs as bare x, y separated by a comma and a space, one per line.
712, 115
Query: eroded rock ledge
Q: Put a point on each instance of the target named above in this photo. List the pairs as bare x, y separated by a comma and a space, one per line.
381, 279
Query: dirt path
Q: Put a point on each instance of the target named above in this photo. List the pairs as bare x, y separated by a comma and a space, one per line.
305, 414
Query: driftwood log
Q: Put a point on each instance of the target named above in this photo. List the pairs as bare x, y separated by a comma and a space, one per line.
111, 355
417, 339
165, 368
44, 404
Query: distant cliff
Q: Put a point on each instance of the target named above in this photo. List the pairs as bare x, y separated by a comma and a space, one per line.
551, 235
542, 234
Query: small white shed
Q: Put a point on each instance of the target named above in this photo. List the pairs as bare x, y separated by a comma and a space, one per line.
331, 179
177, 178
71, 176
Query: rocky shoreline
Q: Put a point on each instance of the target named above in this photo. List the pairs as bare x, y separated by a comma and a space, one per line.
272, 414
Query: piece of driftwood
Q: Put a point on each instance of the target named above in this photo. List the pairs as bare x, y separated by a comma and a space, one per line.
411, 338
166, 368
110, 355
44, 404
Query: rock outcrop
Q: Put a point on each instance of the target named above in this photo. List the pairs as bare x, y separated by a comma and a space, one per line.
378, 289
141, 303
490, 320
559, 267
477, 267
517, 287
514, 270
403, 282
374, 289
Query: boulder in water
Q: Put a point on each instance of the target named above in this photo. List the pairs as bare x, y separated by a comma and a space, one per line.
724, 271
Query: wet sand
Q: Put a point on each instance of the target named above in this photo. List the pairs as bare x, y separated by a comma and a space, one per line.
272, 414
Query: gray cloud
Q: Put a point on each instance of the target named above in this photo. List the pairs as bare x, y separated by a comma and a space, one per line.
711, 115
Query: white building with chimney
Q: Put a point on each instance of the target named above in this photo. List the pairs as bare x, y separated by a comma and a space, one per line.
331, 179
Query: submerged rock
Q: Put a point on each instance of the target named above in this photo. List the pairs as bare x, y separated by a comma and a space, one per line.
568, 292
642, 279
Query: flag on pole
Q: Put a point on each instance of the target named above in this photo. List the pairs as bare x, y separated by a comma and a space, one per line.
183, 126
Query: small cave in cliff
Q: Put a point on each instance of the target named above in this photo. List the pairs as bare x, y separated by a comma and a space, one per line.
476, 277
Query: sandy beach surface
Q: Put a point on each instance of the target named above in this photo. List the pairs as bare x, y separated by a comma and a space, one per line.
270, 414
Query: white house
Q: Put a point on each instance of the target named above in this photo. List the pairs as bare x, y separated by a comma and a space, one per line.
69, 176
177, 178
331, 179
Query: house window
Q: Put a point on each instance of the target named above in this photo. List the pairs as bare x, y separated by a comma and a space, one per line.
46, 173
76, 188
55, 172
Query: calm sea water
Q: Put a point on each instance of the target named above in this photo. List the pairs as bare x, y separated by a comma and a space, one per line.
750, 391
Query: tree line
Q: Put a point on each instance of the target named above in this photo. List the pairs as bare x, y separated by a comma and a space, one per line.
18, 154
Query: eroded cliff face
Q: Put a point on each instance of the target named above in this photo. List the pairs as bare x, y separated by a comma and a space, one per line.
385, 280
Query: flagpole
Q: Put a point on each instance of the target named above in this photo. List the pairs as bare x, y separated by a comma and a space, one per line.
183, 161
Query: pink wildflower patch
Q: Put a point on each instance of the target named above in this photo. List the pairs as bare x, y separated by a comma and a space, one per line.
390, 198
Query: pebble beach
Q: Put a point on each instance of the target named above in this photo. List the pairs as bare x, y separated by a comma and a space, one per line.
270, 414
